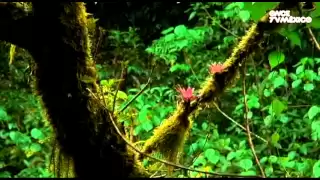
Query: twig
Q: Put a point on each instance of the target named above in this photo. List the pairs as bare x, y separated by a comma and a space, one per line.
157, 159
313, 38
247, 125
154, 174
239, 125
204, 144
309, 31
139, 93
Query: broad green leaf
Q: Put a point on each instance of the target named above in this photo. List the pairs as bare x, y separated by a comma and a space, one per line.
231, 155
147, 126
296, 83
293, 36
300, 69
292, 155
181, 30
275, 138
180, 67
278, 82
315, 23
278, 107
200, 161
244, 15
248, 173
315, 127
192, 15
316, 12
37, 134
122, 95
269, 170
273, 159
137, 130
212, 155
266, 92
313, 111
169, 30
276, 58
234, 5
246, 164
204, 126
263, 160
308, 87
258, 9
267, 120
316, 169
34, 147
3, 115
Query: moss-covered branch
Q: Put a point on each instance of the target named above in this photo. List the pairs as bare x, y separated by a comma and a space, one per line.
212, 88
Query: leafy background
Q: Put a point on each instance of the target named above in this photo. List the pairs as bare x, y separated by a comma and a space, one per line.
281, 81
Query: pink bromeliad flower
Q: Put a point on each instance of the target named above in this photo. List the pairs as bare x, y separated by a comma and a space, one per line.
216, 68
186, 93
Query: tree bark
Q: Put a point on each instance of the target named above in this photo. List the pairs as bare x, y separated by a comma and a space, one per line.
57, 37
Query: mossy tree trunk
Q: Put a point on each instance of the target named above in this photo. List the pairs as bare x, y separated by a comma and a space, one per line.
57, 37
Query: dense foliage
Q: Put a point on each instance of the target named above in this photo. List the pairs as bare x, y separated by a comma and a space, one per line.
276, 93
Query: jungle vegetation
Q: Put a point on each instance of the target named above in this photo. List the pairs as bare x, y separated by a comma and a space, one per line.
159, 89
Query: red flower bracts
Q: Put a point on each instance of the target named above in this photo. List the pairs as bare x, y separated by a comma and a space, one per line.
187, 93
216, 68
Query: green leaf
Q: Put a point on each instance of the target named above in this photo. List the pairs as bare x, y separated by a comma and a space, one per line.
249, 173
122, 95
200, 161
300, 69
263, 160
244, 15
275, 138
167, 31
147, 126
3, 115
212, 155
273, 159
204, 126
277, 107
246, 164
269, 170
137, 130
267, 120
296, 83
315, 127
278, 82
180, 67
231, 155
316, 12
234, 5
181, 30
34, 147
266, 92
293, 36
316, 169
315, 23
308, 87
292, 155
275, 58
258, 9
37, 134
192, 15
313, 111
